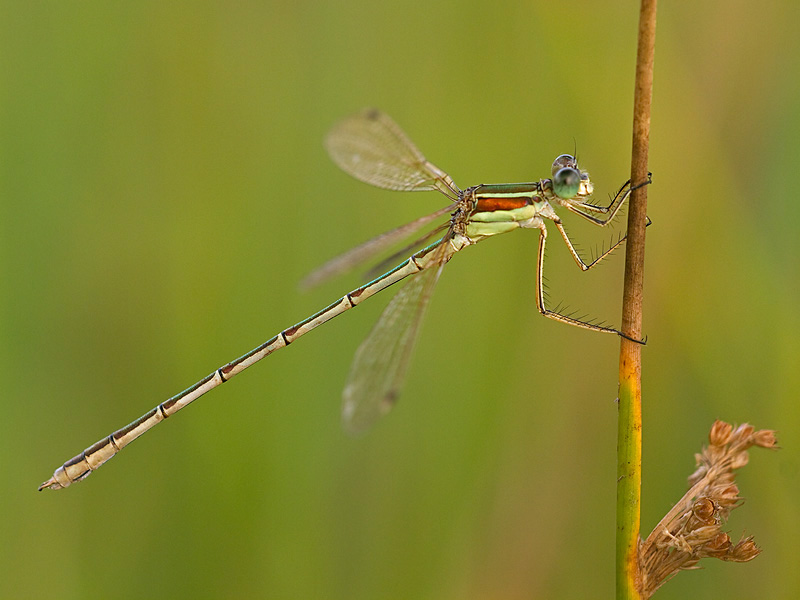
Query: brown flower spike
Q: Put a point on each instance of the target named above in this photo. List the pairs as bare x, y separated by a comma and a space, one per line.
693, 528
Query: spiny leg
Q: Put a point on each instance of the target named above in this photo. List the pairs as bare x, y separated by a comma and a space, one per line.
612, 209
584, 266
540, 304
580, 262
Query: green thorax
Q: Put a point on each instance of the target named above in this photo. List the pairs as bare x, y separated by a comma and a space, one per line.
503, 207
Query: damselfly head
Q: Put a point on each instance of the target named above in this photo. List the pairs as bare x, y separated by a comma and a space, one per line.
568, 179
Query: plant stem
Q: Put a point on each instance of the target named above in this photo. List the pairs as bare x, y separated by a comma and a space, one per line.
629, 436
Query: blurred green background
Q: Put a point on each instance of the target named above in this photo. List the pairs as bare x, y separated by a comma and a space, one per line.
163, 188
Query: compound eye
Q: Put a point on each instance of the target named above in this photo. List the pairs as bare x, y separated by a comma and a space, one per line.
565, 160
567, 183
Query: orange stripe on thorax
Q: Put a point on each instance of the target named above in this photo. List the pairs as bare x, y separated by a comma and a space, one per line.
493, 204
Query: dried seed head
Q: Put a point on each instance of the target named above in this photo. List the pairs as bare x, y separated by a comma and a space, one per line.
718, 547
744, 432
729, 496
720, 433
703, 511
765, 438
692, 529
745, 550
700, 536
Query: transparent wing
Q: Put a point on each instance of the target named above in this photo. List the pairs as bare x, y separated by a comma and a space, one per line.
371, 147
368, 249
381, 362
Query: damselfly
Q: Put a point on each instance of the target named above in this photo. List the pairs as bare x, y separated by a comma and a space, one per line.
371, 147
